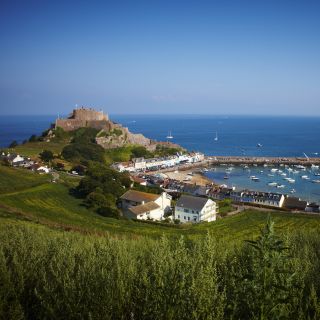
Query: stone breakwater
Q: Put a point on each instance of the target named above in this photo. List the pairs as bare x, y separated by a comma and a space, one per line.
262, 160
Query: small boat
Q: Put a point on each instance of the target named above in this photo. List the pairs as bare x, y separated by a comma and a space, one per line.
272, 184
169, 136
295, 171
299, 166
316, 181
270, 175
255, 179
305, 177
259, 145
317, 174
313, 166
205, 170
291, 180
293, 191
226, 177
283, 174
281, 186
216, 137
274, 170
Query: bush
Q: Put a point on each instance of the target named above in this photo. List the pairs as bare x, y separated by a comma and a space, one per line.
46, 155
46, 274
140, 151
109, 212
13, 144
33, 138
80, 152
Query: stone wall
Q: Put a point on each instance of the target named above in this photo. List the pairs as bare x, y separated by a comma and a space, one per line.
85, 117
88, 115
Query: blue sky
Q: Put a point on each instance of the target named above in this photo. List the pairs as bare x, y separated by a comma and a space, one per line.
204, 57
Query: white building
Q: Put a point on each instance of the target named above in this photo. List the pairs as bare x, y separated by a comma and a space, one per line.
142, 205
18, 159
195, 209
139, 164
43, 169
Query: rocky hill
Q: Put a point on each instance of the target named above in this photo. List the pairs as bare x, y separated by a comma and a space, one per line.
111, 134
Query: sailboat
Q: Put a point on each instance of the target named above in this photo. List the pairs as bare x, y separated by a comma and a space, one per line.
216, 137
169, 136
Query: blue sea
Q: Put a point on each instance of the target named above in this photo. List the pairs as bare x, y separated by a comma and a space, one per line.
237, 135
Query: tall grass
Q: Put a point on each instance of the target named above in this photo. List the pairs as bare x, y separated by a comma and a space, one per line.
46, 274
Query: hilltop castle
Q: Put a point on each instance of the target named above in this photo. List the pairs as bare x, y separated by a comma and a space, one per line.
111, 134
84, 117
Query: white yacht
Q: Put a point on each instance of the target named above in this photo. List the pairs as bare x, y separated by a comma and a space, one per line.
216, 137
272, 184
169, 136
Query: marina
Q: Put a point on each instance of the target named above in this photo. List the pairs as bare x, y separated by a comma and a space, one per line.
278, 178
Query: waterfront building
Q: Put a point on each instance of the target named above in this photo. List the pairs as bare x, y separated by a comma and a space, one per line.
195, 209
260, 198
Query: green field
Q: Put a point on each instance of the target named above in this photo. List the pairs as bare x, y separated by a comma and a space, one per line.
32, 149
32, 197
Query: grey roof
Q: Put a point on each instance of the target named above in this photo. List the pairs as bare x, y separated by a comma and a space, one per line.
144, 208
190, 202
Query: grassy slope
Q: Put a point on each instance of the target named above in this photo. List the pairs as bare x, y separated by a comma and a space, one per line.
32, 149
30, 197
19, 179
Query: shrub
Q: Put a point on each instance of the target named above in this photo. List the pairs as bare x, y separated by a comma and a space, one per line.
33, 138
13, 144
46, 155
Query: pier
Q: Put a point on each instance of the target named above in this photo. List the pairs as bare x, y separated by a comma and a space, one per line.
212, 160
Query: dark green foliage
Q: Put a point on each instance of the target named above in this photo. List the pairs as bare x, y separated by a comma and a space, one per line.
101, 187
140, 151
78, 152
117, 132
33, 138
162, 151
83, 147
150, 189
46, 155
60, 134
85, 135
80, 169
13, 144
109, 212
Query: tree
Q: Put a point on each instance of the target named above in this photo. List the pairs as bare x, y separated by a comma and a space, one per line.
13, 144
46, 155
139, 151
33, 138
96, 200
109, 212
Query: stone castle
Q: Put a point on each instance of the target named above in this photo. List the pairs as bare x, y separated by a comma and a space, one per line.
85, 117
111, 135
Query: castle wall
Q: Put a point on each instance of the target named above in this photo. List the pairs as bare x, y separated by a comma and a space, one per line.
89, 115
84, 117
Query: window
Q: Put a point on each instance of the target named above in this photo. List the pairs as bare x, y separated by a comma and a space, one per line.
178, 216
185, 218
194, 218
186, 210
188, 218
